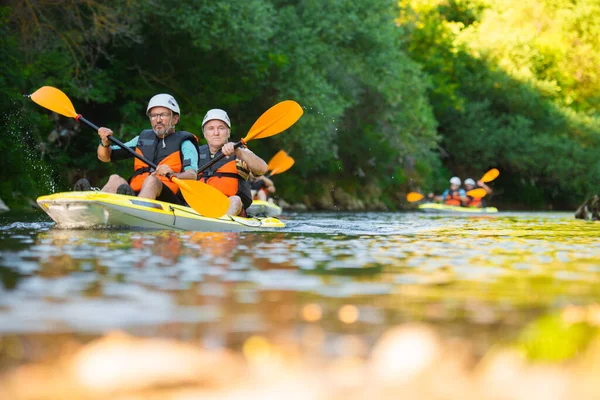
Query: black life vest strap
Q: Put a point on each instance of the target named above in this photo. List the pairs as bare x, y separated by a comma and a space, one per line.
140, 171
206, 177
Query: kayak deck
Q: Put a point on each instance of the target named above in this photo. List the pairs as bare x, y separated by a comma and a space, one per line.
94, 210
445, 208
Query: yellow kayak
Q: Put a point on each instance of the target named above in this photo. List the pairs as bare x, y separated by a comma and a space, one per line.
264, 208
92, 210
447, 209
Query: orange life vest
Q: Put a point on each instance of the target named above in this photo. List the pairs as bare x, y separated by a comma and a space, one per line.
453, 198
151, 147
474, 201
225, 176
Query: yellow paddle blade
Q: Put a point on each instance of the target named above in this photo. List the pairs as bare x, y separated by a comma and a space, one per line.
283, 166
54, 100
490, 175
479, 193
203, 198
277, 158
414, 196
275, 120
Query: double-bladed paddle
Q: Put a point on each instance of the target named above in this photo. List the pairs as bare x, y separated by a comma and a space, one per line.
203, 198
487, 177
273, 121
478, 193
280, 162
490, 175
414, 196
276, 159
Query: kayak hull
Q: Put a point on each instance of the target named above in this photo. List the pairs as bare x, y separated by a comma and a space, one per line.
266, 208
436, 208
99, 210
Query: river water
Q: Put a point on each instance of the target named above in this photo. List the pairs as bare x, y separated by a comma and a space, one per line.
328, 285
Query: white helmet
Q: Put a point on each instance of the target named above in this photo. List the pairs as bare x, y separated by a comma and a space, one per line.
455, 180
469, 181
164, 100
216, 113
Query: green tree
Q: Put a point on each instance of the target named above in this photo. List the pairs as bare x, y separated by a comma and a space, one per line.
366, 109
505, 91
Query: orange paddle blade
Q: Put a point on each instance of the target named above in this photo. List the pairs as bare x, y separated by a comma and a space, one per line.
479, 193
277, 158
490, 175
414, 196
55, 100
205, 199
283, 166
275, 120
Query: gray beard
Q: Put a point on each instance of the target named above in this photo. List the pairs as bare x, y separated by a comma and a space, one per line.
167, 131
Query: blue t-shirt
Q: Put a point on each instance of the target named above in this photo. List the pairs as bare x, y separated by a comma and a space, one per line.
461, 193
188, 150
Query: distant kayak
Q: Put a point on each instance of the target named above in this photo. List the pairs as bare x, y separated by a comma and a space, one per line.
447, 209
264, 208
92, 210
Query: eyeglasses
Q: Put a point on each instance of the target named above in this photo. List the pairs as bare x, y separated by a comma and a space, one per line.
220, 129
164, 115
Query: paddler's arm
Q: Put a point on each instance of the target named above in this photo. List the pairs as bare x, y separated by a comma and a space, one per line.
104, 148
463, 196
165, 169
189, 174
255, 164
438, 199
487, 189
190, 163
268, 182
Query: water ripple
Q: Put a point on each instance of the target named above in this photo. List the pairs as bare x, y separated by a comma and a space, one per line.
392, 264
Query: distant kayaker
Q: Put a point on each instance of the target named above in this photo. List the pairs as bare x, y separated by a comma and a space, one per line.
454, 195
230, 174
174, 152
475, 201
262, 188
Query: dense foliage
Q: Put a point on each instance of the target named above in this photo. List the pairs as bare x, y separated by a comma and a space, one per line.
516, 86
396, 95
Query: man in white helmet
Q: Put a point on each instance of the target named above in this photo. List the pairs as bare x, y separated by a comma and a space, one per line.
230, 174
453, 196
475, 201
174, 152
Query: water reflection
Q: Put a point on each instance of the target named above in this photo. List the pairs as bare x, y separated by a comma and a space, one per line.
327, 283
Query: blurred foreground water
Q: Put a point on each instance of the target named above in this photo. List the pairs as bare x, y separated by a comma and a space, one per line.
336, 305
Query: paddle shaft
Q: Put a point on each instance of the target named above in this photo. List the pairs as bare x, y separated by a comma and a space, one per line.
219, 157
268, 174
120, 144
